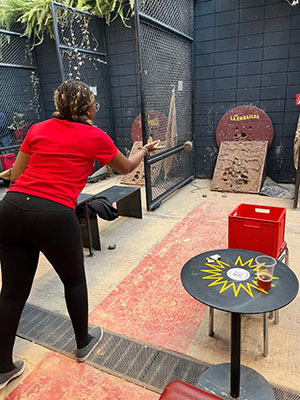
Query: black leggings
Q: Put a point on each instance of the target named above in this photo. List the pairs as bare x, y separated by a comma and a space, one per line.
28, 225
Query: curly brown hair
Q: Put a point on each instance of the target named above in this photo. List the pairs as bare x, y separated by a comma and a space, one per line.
72, 100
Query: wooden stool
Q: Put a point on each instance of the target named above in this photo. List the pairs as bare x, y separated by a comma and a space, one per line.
178, 390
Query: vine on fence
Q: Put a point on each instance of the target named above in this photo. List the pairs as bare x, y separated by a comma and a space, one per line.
34, 101
78, 35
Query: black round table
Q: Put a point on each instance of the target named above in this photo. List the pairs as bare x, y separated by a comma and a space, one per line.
229, 284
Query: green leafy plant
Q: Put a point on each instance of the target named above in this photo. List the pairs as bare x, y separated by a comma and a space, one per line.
35, 16
109, 9
11, 11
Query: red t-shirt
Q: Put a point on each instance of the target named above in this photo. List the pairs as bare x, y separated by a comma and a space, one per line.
62, 156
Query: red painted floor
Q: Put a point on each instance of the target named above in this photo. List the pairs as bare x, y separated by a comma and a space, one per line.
150, 304
60, 378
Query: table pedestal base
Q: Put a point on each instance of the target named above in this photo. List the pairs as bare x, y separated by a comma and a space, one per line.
254, 386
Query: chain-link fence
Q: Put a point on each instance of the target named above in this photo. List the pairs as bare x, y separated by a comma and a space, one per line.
80, 41
20, 102
177, 14
165, 58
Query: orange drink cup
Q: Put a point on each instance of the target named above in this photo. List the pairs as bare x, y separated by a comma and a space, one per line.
265, 271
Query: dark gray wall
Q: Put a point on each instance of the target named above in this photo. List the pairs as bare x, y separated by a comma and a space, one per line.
122, 64
247, 52
122, 61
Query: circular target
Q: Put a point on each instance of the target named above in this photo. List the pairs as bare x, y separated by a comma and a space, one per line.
157, 124
245, 123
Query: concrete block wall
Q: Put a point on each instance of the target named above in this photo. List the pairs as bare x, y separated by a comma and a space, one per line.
246, 52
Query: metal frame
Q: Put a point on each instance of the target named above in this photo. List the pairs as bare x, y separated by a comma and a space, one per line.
128, 201
148, 161
17, 34
18, 66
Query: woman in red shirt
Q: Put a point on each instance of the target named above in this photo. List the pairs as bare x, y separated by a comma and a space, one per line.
37, 214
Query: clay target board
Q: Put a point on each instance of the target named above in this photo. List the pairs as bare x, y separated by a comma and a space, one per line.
240, 167
245, 123
157, 125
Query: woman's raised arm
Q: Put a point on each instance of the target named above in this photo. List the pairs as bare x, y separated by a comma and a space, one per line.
124, 165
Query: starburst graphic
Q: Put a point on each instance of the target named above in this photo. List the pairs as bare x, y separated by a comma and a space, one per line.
217, 273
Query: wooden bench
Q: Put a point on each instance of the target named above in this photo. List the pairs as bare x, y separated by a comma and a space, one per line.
128, 202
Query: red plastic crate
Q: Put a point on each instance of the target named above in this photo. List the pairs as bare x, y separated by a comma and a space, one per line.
7, 161
257, 228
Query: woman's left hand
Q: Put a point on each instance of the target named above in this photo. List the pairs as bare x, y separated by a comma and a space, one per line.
153, 145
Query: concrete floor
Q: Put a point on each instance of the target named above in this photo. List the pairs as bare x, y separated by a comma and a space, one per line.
135, 290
